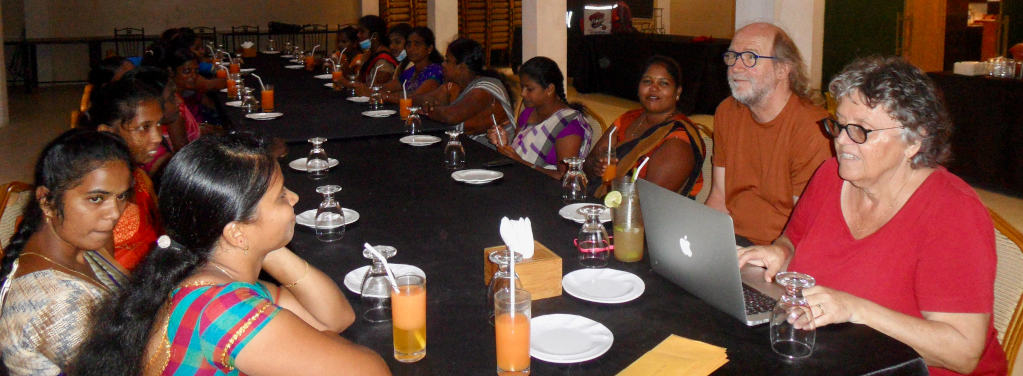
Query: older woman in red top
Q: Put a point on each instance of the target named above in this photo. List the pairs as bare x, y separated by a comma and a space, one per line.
894, 240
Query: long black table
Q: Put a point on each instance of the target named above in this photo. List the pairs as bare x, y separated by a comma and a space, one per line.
407, 199
310, 109
988, 117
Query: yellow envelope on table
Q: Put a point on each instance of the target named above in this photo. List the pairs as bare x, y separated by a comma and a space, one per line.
678, 356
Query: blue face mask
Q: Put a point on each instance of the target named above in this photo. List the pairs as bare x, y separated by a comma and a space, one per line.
365, 44
402, 56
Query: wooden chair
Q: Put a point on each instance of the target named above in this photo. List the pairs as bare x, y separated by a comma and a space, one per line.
708, 168
208, 34
14, 199
601, 126
129, 41
315, 34
240, 34
1008, 311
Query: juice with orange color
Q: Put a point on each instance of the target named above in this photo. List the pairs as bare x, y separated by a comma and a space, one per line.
234, 68
336, 77
512, 334
403, 105
408, 315
610, 172
268, 98
310, 62
221, 73
232, 89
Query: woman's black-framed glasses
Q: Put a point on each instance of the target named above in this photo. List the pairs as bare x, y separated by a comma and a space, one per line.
856, 132
749, 58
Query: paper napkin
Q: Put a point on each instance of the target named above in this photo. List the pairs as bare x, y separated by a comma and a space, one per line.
678, 356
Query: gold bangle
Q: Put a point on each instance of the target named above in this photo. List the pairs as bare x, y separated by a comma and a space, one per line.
306, 272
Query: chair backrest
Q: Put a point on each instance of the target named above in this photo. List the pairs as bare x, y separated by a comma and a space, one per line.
208, 34
240, 34
14, 199
708, 169
1008, 310
130, 41
315, 34
597, 125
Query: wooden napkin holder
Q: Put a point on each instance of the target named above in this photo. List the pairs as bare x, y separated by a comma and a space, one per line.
540, 275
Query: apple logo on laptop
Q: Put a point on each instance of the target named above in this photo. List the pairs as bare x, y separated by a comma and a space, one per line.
684, 244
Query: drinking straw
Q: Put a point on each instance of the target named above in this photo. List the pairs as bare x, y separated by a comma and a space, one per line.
635, 174
499, 131
373, 79
404, 94
609, 138
314, 49
383, 260
261, 86
511, 288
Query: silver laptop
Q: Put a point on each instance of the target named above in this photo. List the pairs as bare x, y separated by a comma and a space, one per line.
694, 246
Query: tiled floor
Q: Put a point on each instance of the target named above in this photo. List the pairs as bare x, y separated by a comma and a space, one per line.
38, 117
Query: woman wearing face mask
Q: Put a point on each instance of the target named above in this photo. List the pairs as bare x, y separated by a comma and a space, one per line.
426, 73
373, 38
56, 269
133, 111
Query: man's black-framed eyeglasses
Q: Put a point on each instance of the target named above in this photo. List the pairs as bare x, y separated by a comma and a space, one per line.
856, 132
749, 58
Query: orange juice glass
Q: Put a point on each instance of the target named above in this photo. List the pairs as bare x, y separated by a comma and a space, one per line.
310, 62
221, 72
511, 330
232, 87
268, 98
408, 316
610, 172
236, 65
403, 105
336, 77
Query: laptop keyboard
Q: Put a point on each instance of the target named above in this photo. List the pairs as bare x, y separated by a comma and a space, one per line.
756, 301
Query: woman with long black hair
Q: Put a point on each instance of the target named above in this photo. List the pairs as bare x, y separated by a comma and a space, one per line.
196, 305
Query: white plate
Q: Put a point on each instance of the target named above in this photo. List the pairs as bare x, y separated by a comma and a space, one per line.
608, 286
353, 280
224, 90
476, 176
247, 70
379, 113
264, 115
298, 61
296, 66
329, 84
324, 76
420, 140
288, 56
308, 217
234, 103
268, 52
299, 164
358, 99
561, 338
571, 213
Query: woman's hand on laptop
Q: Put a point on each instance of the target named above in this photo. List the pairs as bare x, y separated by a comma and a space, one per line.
774, 257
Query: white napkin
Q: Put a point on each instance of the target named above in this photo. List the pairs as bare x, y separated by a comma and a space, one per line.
247, 44
518, 236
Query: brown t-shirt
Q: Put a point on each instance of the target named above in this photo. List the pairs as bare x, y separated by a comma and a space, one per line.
766, 164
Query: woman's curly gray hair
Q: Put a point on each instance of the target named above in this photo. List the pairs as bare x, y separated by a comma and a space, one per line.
909, 97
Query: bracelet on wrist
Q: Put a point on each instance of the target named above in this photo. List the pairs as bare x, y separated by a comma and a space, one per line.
304, 273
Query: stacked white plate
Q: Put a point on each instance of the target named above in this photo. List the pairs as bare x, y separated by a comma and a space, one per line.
264, 115
324, 76
608, 286
308, 217
295, 66
420, 140
353, 280
476, 176
561, 338
379, 113
358, 99
300, 163
571, 213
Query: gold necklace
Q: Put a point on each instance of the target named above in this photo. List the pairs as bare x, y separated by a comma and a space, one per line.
87, 278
